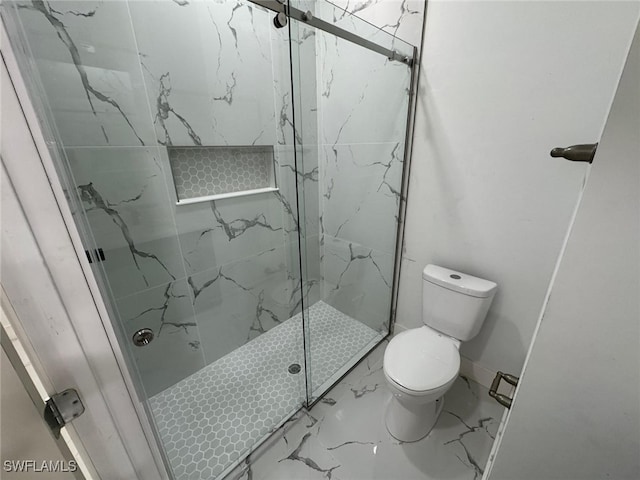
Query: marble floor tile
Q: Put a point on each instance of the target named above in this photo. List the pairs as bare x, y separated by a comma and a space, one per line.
344, 436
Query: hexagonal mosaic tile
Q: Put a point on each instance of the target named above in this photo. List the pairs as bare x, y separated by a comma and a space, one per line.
204, 171
213, 417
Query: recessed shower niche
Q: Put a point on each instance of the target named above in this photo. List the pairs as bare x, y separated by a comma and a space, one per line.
204, 173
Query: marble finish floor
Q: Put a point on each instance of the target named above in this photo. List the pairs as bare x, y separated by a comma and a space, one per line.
343, 437
212, 418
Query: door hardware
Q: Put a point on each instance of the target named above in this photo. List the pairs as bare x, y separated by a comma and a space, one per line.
576, 153
97, 254
493, 391
61, 408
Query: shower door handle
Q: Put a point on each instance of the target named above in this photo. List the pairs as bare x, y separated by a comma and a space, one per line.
576, 153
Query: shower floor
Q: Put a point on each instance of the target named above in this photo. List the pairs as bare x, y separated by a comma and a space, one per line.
208, 421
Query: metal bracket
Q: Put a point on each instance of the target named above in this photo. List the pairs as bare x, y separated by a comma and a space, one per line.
398, 57
493, 391
61, 409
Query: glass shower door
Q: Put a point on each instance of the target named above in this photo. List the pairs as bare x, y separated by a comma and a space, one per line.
245, 254
351, 107
173, 131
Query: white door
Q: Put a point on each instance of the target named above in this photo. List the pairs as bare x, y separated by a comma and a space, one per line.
576, 414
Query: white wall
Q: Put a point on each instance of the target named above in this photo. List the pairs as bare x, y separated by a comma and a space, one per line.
576, 414
501, 84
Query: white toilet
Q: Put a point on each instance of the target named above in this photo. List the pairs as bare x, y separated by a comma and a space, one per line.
421, 364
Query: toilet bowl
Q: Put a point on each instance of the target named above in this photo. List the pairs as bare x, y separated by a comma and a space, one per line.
421, 364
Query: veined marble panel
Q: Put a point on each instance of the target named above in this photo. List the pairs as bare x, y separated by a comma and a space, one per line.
299, 176
281, 83
285, 163
312, 269
124, 195
309, 188
357, 281
364, 96
208, 70
400, 18
85, 55
176, 350
305, 78
222, 231
361, 187
239, 301
298, 172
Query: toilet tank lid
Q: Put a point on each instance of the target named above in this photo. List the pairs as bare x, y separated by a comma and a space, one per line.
459, 282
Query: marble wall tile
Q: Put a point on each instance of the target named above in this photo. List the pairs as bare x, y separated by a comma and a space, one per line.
299, 187
298, 173
222, 231
86, 57
364, 95
288, 172
149, 265
363, 211
176, 351
401, 18
308, 181
362, 112
312, 278
304, 72
281, 68
124, 196
357, 281
239, 301
208, 70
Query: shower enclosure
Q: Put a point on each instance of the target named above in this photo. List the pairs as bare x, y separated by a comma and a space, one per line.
238, 188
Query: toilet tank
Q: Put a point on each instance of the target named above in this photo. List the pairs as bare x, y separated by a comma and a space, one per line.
455, 303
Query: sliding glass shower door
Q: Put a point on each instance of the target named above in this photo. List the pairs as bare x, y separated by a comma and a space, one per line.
173, 125
351, 107
237, 187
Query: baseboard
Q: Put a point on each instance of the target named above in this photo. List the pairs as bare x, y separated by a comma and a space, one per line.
475, 372
397, 328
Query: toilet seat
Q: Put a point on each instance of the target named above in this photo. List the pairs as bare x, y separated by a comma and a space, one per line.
421, 359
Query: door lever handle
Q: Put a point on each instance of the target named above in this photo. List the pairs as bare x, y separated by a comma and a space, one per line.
576, 153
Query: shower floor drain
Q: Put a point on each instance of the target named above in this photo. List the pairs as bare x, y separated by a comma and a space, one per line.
294, 368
